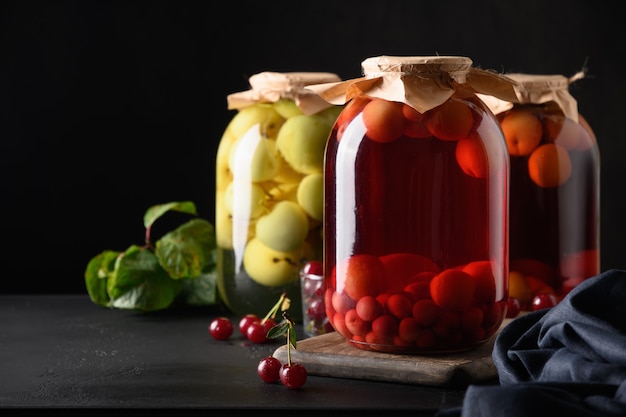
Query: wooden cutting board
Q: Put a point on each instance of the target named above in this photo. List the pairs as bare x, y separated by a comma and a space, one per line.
330, 355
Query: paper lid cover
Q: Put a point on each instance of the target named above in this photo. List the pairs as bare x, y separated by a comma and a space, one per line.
269, 87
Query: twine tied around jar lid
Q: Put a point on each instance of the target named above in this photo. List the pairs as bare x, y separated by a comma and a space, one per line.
423, 82
539, 89
269, 87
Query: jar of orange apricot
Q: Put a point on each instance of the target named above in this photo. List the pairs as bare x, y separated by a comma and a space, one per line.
555, 190
269, 189
415, 220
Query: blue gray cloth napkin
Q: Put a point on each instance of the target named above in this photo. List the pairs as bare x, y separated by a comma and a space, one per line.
568, 360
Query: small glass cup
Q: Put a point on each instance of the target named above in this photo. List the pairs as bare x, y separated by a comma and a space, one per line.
314, 319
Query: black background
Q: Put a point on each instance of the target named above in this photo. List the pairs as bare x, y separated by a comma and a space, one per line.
110, 107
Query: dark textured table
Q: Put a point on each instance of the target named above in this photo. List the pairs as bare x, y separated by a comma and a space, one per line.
64, 354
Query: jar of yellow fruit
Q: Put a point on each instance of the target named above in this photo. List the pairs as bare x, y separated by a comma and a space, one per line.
554, 209
269, 190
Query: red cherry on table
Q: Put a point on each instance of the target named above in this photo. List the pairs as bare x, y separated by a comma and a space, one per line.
269, 369
268, 324
256, 332
544, 300
513, 308
221, 328
293, 376
245, 321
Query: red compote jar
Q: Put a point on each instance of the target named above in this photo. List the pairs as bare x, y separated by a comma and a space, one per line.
555, 190
415, 220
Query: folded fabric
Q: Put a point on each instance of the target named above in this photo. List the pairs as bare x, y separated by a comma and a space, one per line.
569, 360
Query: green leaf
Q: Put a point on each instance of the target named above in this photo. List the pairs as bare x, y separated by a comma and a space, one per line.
201, 290
139, 282
181, 266
279, 330
98, 270
156, 211
293, 337
186, 251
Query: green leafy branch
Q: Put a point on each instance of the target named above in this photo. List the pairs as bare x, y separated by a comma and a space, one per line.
286, 327
178, 266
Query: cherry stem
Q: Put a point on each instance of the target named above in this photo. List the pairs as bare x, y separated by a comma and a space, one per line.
288, 346
274, 310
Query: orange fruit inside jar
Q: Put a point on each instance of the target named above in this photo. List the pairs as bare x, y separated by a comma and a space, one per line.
451, 121
549, 165
554, 200
522, 131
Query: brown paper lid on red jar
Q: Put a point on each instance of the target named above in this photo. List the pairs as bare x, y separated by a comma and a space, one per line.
423, 82
539, 89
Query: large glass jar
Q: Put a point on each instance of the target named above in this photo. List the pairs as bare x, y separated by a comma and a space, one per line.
269, 190
415, 220
555, 190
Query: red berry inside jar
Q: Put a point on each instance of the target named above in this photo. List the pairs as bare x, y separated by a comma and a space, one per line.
415, 221
314, 318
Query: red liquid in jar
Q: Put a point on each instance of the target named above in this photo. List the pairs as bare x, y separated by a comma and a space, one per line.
415, 246
554, 219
